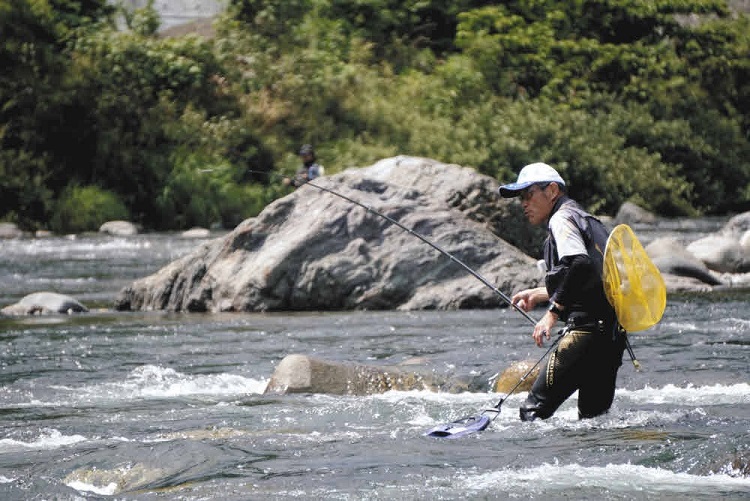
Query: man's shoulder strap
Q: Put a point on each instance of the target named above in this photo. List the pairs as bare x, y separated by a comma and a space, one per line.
594, 232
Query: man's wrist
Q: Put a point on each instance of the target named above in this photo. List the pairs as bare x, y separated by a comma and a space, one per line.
556, 309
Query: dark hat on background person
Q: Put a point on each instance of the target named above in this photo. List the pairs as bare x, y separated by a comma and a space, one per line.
306, 149
535, 173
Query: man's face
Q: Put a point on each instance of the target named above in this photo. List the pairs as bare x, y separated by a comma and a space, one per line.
537, 202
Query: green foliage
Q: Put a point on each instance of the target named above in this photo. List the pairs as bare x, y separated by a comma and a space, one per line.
626, 98
144, 21
133, 88
399, 29
86, 208
208, 182
24, 195
31, 71
271, 23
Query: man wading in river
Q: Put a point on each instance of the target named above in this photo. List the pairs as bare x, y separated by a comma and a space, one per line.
590, 354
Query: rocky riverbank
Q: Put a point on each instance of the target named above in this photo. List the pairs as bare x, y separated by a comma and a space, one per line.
313, 250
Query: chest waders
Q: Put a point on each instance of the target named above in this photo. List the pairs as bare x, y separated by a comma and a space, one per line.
589, 356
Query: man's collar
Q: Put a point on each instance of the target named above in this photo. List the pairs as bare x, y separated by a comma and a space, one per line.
560, 201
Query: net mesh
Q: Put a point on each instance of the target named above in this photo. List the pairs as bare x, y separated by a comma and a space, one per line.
632, 283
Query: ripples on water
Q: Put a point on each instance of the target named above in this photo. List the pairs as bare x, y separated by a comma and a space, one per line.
170, 406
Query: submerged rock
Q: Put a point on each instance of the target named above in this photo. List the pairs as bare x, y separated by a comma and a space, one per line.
513, 374
44, 303
299, 373
304, 374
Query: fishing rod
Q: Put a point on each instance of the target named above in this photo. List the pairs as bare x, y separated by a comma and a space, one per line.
468, 424
479, 422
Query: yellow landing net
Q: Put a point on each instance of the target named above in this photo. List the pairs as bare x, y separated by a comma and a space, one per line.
632, 283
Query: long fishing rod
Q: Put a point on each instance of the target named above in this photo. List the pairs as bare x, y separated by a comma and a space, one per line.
422, 238
471, 423
468, 424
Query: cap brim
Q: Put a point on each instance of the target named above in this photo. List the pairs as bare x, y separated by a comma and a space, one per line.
513, 189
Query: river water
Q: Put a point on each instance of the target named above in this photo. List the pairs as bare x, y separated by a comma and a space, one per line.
116, 405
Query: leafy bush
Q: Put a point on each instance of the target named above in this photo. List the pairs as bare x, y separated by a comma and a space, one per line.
86, 208
212, 165
629, 101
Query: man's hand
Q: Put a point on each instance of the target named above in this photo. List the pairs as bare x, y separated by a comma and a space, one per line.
527, 299
543, 328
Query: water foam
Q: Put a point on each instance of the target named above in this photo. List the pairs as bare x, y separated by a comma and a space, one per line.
48, 439
106, 490
152, 382
84, 248
717, 394
612, 478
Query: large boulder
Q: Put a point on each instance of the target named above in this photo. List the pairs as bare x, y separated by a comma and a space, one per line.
44, 303
722, 252
674, 260
313, 250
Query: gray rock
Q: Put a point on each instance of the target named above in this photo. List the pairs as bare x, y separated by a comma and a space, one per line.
722, 253
737, 224
672, 258
10, 230
44, 303
299, 373
312, 250
745, 239
304, 374
119, 228
629, 213
196, 233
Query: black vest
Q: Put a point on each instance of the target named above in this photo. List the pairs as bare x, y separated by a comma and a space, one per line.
588, 297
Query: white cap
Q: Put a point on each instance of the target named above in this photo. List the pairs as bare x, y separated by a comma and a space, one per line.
531, 174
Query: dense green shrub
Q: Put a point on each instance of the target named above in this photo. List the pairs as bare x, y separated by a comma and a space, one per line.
86, 208
133, 90
212, 163
629, 101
